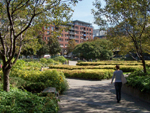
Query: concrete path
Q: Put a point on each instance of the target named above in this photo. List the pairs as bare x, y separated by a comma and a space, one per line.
86, 96
72, 63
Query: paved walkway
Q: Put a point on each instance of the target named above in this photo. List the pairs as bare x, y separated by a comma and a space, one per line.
86, 96
72, 63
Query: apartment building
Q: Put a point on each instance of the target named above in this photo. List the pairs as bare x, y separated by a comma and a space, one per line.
79, 30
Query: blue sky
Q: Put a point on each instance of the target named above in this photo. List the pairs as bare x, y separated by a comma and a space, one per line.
82, 11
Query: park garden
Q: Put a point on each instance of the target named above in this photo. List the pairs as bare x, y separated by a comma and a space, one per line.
27, 81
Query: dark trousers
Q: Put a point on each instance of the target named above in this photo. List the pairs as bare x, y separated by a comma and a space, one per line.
118, 86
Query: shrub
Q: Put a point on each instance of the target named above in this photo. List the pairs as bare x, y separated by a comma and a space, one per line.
139, 80
60, 59
20, 64
42, 79
17, 101
43, 60
50, 61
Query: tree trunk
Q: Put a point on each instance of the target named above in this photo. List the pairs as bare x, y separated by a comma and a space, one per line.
6, 85
144, 65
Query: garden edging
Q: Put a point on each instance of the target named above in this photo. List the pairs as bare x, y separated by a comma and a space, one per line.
136, 93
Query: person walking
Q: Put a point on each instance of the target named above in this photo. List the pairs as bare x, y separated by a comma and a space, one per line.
118, 82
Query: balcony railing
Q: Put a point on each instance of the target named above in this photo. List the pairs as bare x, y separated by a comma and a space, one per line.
71, 37
72, 33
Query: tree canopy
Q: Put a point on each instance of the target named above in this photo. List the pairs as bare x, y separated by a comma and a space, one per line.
129, 20
96, 49
19, 16
71, 45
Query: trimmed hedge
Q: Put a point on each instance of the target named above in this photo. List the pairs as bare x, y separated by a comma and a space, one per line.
124, 68
107, 63
88, 74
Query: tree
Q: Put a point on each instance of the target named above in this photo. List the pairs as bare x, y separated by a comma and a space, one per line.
71, 45
100, 48
53, 46
133, 15
44, 47
17, 16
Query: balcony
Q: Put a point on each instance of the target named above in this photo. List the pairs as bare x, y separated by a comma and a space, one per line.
72, 33
71, 28
71, 37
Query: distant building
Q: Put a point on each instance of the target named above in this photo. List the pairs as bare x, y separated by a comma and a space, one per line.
99, 33
79, 30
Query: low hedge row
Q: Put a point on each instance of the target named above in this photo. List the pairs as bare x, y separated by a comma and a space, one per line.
124, 68
88, 74
107, 63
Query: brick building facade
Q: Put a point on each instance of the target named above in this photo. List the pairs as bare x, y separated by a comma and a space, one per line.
79, 31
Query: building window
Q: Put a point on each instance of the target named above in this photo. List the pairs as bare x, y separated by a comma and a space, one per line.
48, 28
76, 32
61, 39
66, 40
76, 27
62, 35
61, 45
66, 45
47, 38
44, 38
77, 36
66, 35
77, 41
81, 37
52, 28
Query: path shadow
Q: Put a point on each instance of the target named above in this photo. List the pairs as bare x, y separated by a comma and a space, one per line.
99, 99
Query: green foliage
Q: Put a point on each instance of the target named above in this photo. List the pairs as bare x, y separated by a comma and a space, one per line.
50, 61
71, 45
20, 64
109, 63
100, 48
43, 60
44, 49
54, 46
124, 68
38, 80
60, 59
128, 22
139, 80
18, 101
88, 74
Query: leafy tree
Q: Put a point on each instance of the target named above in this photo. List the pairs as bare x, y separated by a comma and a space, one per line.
131, 18
53, 46
71, 45
44, 47
18, 16
100, 48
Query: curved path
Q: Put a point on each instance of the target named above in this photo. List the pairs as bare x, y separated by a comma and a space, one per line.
86, 96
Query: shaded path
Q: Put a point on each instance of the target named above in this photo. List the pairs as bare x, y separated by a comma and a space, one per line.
86, 96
